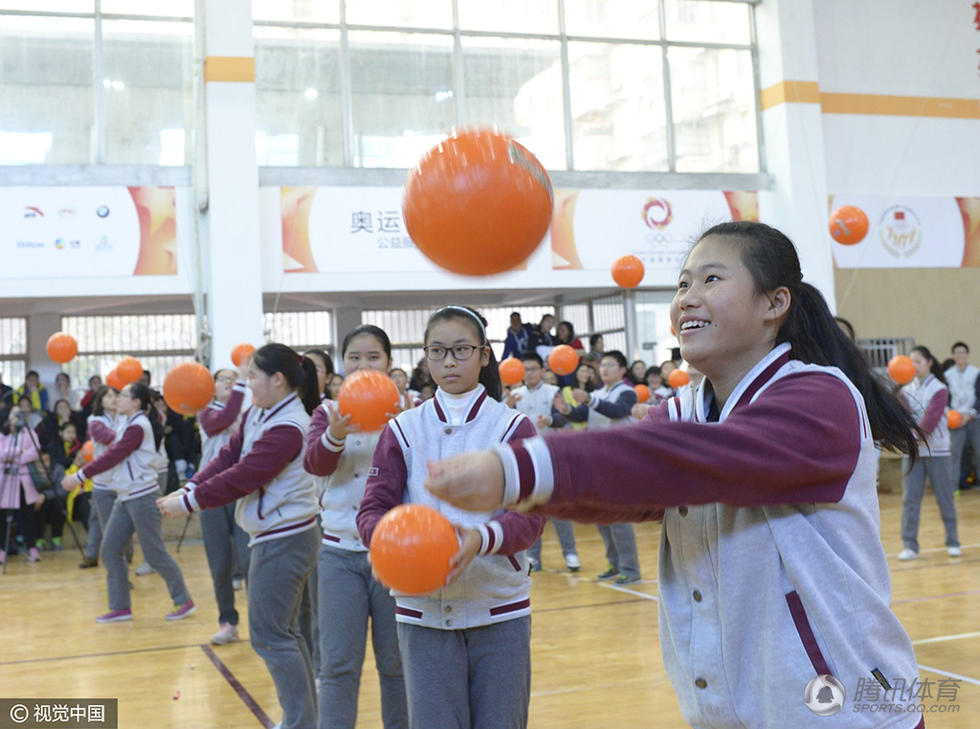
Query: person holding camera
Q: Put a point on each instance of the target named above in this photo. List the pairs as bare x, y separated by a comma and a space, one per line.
17, 492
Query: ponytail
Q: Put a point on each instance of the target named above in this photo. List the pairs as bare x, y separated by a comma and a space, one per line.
935, 369
309, 388
139, 391
299, 372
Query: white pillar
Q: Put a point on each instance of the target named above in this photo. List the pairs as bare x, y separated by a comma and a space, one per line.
39, 328
232, 279
345, 319
793, 132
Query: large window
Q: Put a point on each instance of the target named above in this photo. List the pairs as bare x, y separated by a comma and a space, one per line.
67, 99
13, 350
608, 85
300, 330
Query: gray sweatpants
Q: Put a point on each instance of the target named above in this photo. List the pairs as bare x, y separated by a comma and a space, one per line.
98, 516
277, 571
913, 486
957, 444
139, 515
566, 538
620, 542
348, 596
225, 544
476, 678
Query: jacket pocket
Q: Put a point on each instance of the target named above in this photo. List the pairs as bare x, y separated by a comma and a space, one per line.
805, 632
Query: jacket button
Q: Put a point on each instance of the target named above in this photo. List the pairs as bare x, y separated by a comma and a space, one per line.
448, 608
700, 683
447, 431
682, 511
357, 475
696, 595
449, 622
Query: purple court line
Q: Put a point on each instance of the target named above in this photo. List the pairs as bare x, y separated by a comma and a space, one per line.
242, 692
935, 597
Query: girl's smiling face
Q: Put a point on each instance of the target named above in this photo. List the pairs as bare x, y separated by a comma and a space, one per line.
452, 375
364, 352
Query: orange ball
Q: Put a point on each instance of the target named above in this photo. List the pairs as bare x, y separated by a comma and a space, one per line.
188, 388
563, 360
954, 419
901, 369
478, 203
642, 393
88, 451
411, 548
241, 352
62, 347
114, 380
678, 378
368, 396
511, 371
848, 225
627, 271
129, 370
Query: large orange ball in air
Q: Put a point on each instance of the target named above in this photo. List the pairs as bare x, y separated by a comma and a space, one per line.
627, 271
954, 419
241, 352
114, 381
678, 378
411, 548
848, 225
62, 347
511, 371
642, 393
901, 369
129, 370
368, 396
477, 203
563, 360
188, 388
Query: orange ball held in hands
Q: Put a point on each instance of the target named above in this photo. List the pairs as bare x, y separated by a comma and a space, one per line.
114, 380
478, 203
188, 388
627, 271
642, 393
954, 419
62, 347
411, 548
848, 225
901, 369
241, 352
511, 371
88, 451
678, 378
563, 360
129, 370
368, 396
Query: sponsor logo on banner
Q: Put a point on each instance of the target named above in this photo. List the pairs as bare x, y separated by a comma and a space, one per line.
900, 231
67, 213
30, 244
62, 243
32, 212
102, 211
103, 246
657, 213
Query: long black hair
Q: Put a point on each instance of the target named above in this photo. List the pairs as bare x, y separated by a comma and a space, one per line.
934, 367
327, 365
300, 372
489, 374
810, 328
139, 391
100, 394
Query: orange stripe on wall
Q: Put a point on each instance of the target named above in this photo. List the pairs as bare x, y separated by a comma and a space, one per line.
229, 68
808, 92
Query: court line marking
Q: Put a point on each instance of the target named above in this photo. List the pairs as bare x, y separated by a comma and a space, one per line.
628, 591
237, 687
942, 638
974, 681
99, 655
536, 611
935, 597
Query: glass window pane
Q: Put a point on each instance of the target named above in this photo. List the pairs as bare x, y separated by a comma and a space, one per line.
403, 97
516, 85
299, 119
428, 14
510, 16
147, 68
713, 103
47, 72
307, 11
171, 8
710, 22
617, 98
601, 18
50, 6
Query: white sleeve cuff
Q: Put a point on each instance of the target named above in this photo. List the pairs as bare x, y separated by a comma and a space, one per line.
189, 503
537, 477
331, 443
491, 537
512, 482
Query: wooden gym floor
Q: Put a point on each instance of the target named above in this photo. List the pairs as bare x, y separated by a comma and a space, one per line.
596, 660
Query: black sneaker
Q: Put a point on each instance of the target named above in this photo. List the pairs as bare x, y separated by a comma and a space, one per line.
88, 562
608, 574
628, 580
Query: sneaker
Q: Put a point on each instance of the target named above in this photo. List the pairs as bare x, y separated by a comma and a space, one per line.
56, 544
954, 551
227, 633
115, 616
627, 579
608, 574
535, 564
182, 611
88, 562
906, 554
33, 555
237, 583
145, 569
572, 562
3, 557
43, 545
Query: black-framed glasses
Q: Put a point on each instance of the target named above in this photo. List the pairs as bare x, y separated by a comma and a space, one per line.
460, 352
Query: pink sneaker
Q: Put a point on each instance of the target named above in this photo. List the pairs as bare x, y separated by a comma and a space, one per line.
33, 555
115, 616
3, 557
182, 611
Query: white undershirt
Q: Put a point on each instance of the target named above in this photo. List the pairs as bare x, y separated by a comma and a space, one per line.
458, 406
